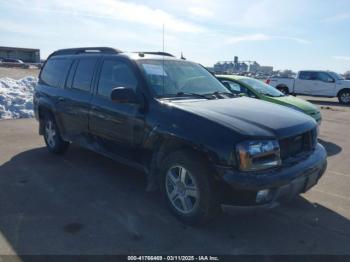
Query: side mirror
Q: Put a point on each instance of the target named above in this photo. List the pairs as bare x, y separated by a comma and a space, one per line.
123, 95
331, 80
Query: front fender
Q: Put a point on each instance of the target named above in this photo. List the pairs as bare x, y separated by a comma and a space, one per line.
166, 122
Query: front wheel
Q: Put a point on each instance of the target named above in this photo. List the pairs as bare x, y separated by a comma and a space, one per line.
188, 188
344, 97
52, 137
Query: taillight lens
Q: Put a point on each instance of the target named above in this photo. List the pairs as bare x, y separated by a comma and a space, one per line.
267, 81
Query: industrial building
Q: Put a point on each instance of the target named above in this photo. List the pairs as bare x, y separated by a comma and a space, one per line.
27, 55
236, 66
230, 66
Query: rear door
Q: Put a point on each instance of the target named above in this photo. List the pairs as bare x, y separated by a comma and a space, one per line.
75, 103
51, 86
118, 127
304, 82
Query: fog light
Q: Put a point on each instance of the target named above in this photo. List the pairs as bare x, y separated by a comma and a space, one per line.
262, 196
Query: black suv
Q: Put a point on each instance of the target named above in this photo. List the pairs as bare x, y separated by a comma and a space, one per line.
203, 146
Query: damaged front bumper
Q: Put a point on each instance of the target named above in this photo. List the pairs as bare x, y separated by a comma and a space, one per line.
264, 190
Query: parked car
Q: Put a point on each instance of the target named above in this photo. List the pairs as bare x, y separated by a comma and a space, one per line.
258, 89
314, 83
203, 146
11, 60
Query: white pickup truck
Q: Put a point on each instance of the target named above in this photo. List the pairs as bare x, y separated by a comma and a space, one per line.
314, 83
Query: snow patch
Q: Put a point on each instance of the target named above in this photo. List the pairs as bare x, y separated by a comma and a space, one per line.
16, 97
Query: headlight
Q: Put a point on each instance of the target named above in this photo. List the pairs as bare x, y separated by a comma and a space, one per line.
258, 155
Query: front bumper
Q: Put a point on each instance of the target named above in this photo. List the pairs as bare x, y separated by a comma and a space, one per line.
293, 178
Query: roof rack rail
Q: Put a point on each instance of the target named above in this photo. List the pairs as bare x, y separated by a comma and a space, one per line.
82, 50
156, 53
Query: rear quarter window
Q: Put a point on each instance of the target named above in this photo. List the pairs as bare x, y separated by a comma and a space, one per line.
55, 71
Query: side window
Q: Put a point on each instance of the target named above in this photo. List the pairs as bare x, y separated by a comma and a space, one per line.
313, 76
84, 73
324, 77
234, 87
55, 71
250, 94
70, 78
115, 74
305, 75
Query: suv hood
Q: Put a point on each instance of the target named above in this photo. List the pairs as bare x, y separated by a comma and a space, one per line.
250, 117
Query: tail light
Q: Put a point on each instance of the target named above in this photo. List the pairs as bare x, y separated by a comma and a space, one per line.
267, 81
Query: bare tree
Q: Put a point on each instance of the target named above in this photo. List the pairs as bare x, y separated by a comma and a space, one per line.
347, 74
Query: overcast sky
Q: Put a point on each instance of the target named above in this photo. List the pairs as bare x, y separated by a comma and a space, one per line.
295, 34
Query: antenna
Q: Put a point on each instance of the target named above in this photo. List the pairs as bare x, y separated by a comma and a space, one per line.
163, 39
182, 56
163, 60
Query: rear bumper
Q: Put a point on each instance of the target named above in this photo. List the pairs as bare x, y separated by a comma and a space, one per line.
282, 183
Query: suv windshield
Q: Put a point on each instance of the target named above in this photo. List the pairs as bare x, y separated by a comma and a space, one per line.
261, 87
172, 78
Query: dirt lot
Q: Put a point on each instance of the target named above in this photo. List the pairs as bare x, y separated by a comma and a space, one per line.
18, 73
83, 203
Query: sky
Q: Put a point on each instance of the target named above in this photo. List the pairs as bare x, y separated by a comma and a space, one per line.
294, 34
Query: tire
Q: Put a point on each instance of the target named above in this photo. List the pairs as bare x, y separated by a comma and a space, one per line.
283, 89
344, 97
53, 140
198, 203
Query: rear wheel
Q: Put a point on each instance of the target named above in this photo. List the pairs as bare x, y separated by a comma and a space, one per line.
344, 97
283, 89
52, 137
188, 188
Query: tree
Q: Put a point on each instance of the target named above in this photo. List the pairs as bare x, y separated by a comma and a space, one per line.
347, 74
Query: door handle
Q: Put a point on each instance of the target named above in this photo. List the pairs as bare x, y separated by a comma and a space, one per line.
61, 99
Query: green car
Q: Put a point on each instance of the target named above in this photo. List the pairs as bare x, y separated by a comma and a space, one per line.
251, 87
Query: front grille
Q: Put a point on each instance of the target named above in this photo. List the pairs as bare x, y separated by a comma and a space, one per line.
295, 145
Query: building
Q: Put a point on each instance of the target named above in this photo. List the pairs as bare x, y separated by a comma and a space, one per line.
27, 55
236, 66
230, 67
267, 70
254, 67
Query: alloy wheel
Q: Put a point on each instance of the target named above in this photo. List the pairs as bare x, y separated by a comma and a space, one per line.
345, 97
181, 189
50, 133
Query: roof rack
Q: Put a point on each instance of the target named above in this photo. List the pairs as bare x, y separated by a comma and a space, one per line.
156, 53
82, 50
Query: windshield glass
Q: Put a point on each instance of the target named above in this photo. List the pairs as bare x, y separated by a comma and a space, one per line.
336, 76
261, 87
172, 77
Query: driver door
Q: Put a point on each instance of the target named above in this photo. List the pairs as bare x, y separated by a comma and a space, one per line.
324, 85
117, 127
